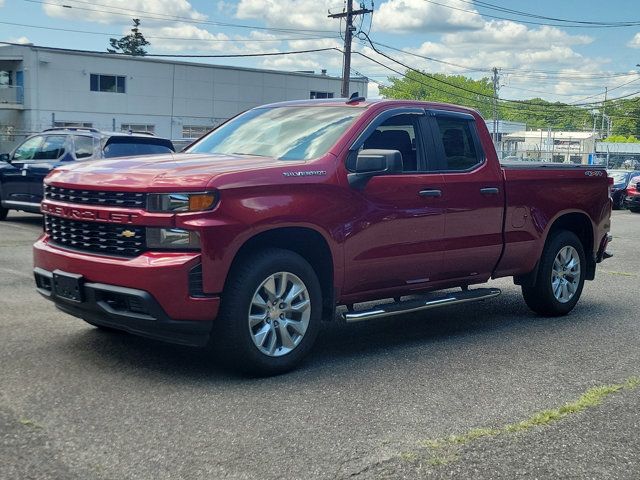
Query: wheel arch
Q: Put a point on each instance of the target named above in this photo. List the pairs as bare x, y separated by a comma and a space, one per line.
306, 242
577, 222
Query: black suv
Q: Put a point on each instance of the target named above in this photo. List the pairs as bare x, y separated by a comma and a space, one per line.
23, 170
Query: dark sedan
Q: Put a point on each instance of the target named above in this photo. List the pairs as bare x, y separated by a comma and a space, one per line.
621, 179
23, 170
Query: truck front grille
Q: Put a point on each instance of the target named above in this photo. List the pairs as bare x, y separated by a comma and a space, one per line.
96, 237
95, 197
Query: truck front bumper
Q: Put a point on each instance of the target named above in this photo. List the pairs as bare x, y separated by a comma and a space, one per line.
148, 295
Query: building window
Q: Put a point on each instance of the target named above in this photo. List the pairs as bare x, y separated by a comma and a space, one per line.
72, 125
195, 131
314, 95
107, 83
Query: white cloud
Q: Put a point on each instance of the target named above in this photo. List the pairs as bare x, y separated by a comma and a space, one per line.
635, 41
195, 39
1, 3
23, 40
400, 16
512, 35
184, 37
300, 14
122, 11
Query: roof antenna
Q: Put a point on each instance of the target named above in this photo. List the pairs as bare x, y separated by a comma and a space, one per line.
355, 98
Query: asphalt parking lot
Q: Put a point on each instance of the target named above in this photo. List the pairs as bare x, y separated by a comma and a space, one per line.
374, 400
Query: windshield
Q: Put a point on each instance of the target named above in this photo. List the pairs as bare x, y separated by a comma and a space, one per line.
285, 133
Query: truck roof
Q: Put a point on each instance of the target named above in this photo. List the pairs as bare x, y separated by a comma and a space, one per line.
366, 103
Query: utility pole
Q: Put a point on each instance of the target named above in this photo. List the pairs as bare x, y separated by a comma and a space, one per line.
604, 110
496, 89
348, 36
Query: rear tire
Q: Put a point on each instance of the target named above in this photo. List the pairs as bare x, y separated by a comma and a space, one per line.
3, 213
634, 210
560, 279
270, 313
619, 203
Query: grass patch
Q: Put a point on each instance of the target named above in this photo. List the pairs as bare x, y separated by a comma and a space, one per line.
442, 451
29, 423
623, 274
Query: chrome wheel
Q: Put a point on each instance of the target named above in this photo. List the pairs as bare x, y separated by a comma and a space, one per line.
565, 274
279, 314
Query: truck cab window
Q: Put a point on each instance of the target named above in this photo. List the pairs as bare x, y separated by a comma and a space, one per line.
457, 143
52, 148
397, 133
28, 149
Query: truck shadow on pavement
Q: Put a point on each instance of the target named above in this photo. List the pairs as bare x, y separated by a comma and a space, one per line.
339, 345
25, 219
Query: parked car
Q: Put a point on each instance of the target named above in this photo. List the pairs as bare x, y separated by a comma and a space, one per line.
23, 170
632, 199
269, 222
621, 179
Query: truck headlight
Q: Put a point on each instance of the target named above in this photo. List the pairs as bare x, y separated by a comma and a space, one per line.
172, 238
181, 202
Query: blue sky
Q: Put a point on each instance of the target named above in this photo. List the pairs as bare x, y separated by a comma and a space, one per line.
556, 63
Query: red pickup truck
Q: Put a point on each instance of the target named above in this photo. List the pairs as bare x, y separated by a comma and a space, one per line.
257, 233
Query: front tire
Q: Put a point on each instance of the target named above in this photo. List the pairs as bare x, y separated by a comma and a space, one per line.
3, 213
560, 279
270, 313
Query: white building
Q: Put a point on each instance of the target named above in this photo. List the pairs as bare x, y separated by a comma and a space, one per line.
44, 87
545, 145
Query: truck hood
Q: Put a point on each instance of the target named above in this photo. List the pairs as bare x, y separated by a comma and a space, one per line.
160, 173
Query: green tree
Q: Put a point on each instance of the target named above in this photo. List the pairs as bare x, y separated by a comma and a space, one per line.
132, 44
625, 116
539, 113
621, 139
430, 87
536, 112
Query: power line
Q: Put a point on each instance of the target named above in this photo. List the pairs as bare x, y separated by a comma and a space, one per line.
530, 22
466, 89
279, 39
166, 17
172, 55
490, 6
348, 15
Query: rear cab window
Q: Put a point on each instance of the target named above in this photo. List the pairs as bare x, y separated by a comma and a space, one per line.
83, 146
136, 146
456, 142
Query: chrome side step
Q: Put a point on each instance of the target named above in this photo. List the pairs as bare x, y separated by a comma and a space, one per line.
425, 303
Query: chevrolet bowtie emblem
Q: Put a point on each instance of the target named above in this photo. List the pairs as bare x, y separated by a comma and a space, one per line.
128, 234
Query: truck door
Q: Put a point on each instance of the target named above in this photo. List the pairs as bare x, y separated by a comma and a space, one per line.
14, 181
54, 150
30, 163
473, 195
394, 239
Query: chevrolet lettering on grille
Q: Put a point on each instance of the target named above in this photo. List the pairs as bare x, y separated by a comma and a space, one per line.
76, 213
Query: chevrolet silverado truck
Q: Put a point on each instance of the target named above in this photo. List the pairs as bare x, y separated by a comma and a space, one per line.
268, 224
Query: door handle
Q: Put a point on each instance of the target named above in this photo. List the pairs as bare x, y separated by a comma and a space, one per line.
489, 191
430, 193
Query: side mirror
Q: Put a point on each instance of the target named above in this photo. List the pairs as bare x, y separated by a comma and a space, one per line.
372, 162
5, 157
